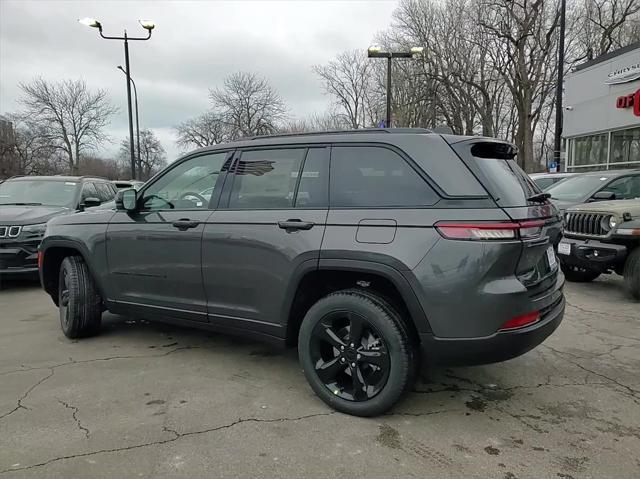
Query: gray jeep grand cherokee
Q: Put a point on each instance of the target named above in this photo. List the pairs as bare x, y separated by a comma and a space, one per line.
363, 248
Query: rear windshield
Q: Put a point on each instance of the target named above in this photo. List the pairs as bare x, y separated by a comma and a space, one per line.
576, 188
507, 183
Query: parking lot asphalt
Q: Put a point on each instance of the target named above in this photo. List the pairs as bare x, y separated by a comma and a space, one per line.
151, 400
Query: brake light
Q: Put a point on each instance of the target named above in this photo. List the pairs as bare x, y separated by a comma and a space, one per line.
522, 320
40, 259
490, 231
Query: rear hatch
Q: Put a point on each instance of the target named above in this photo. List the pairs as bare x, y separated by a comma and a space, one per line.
495, 165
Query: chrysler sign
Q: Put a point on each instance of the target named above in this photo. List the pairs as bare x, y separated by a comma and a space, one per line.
624, 75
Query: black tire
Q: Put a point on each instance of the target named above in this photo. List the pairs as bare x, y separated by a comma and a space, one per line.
575, 274
632, 274
79, 302
391, 340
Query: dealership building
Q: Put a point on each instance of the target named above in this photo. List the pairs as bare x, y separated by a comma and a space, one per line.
602, 112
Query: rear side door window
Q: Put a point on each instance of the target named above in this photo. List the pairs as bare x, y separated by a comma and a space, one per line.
313, 187
266, 179
375, 177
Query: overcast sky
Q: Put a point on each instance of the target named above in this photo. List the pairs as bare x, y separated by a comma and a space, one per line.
194, 46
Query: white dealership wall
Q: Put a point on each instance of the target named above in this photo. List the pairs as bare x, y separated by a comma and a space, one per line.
590, 102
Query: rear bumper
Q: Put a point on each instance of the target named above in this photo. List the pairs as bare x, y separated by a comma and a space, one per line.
500, 346
593, 255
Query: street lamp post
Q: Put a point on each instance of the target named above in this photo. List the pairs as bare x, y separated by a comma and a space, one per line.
135, 96
147, 25
557, 145
376, 52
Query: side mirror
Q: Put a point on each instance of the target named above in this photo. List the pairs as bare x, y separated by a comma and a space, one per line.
127, 200
604, 195
90, 202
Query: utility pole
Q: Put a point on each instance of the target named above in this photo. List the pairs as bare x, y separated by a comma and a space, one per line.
557, 146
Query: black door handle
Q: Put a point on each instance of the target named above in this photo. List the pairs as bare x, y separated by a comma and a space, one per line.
295, 224
184, 224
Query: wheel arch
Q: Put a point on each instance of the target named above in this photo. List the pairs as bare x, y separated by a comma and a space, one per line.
311, 283
53, 253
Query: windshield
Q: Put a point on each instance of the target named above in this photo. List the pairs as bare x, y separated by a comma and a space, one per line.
576, 188
39, 192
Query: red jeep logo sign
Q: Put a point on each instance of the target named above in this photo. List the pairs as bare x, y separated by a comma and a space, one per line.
628, 101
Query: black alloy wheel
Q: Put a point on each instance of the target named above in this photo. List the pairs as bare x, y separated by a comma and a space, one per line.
357, 353
351, 357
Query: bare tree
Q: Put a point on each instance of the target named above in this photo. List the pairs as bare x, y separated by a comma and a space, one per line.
72, 116
207, 129
600, 26
348, 81
248, 105
327, 121
153, 156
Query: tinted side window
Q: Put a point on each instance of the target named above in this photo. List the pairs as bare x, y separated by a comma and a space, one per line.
370, 176
313, 189
625, 188
266, 179
89, 191
189, 185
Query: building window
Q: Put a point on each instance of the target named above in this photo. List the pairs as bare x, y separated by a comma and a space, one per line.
625, 146
590, 150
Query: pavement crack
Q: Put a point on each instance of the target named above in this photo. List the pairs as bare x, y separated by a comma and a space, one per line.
19, 404
176, 436
600, 313
93, 360
631, 391
74, 414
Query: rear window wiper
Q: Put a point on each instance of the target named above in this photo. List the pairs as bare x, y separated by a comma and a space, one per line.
22, 204
539, 198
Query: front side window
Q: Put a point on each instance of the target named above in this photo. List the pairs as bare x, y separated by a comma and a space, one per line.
39, 192
576, 188
371, 176
626, 188
266, 179
105, 193
88, 191
190, 185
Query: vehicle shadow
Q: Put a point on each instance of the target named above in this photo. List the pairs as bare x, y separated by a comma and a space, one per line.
468, 388
18, 283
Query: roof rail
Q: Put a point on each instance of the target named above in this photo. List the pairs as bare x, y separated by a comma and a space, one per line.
14, 176
341, 132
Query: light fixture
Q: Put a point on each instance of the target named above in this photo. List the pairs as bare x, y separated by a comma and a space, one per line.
90, 22
374, 49
147, 24
416, 50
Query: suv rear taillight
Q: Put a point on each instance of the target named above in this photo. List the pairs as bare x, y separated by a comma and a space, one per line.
490, 231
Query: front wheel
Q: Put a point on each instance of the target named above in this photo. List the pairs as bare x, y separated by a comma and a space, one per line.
78, 299
356, 352
575, 274
632, 274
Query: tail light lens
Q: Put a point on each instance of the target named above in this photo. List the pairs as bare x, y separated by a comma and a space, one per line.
521, 321
490, 231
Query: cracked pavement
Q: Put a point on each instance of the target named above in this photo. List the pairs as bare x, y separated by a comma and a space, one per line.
153, 400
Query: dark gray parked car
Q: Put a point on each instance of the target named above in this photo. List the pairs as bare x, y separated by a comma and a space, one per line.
28, 202
363, 248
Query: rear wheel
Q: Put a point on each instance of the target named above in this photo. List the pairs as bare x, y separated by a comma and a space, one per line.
356, 352
79, 302
575, 274
632, 274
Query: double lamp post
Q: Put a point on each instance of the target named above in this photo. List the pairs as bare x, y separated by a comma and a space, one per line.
376, 52
149, 26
